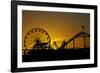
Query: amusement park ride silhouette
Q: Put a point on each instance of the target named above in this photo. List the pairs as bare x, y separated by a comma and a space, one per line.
42, 50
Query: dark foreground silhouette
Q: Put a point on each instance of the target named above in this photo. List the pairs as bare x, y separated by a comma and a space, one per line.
61, 54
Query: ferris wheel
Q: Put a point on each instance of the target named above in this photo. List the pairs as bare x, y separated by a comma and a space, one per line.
37, 38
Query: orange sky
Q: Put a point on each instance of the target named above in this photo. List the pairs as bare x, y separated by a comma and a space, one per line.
60, 25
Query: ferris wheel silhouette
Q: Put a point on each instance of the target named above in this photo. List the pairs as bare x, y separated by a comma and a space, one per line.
37, 38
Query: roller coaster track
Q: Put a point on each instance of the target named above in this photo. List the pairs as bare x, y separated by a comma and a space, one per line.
77, 36
80, 34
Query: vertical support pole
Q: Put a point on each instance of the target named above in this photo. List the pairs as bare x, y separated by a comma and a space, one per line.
84, 41
49, 46
74, 43
66, 46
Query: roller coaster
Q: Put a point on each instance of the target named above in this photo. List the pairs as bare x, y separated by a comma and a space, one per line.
83, 35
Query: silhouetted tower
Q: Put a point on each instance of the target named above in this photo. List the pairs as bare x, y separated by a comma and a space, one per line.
83, 30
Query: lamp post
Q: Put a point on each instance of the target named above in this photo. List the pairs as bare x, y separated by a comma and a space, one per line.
83, 30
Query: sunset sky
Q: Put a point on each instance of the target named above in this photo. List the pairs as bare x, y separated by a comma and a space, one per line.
59, 25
